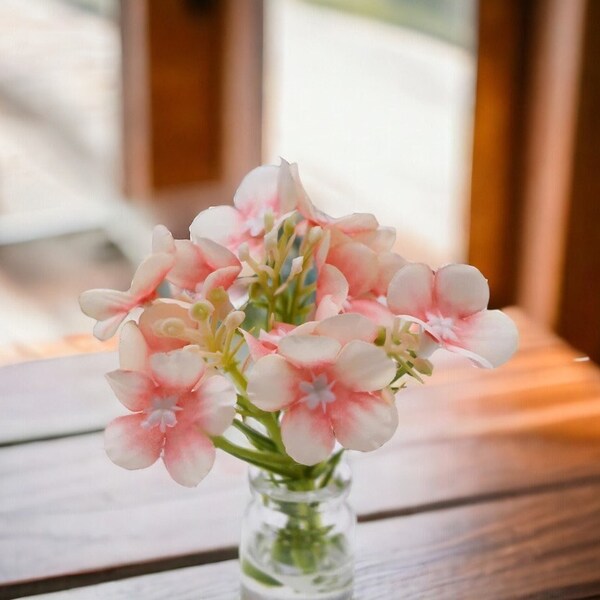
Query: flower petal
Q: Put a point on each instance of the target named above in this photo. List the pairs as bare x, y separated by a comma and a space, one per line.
380, 240
286, 187
363, 421
356, 223
132, 388
133, 349
326, 308
332, 284
216, 398
216, 255
307, 434
105, 304
322, 249
155, 314
257, 348
389, 263
130, 445
372, 309
150, 274
309, 351
272, 383
162, 240
305, 206
221, 278
188, 455
347, 327
221, 224
411, 290
363, 367
489, 338
190, 268
104, 330
460, 290
358, 263
178, 369
258, 189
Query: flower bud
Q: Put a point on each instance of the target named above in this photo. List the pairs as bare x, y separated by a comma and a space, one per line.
269, 221
234, 319
267, 269
202, 310
289, 226
244, 252
297, 265
271, 240
314, 234
220, 300
423, 366
217, 295
171, 327
255, 291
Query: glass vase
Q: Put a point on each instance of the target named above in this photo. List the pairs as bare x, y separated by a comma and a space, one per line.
297, 539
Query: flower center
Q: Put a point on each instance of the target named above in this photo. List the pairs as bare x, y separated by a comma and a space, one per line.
317, 392
442, 327
255, 225
161, 413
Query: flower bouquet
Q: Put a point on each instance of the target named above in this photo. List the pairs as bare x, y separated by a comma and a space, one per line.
281, 335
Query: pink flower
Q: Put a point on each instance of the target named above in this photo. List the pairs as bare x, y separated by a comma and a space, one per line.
110, 307
176, 407
266, 190
266, 342
329, 385
354, 279
200, 266
154, 324
450, 304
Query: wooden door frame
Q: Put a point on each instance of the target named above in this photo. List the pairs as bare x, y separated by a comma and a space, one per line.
221, 88
535, 188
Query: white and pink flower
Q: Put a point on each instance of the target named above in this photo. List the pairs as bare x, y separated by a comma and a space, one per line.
111, 307
451, 305
266, 342
367, 318
330, 384
266, 192
200, 265
163, 322
354, 279
177, 406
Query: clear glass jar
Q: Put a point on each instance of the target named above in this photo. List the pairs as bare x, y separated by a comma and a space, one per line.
297, 541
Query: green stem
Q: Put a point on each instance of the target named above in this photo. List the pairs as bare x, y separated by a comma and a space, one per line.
332, 464
262, 442
275, 463
272, 425
237, 376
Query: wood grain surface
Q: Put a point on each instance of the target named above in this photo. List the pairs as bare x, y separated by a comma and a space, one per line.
83, 343
541, 546
468, 438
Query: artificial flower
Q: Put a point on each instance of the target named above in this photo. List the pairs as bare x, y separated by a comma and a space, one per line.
341, 318
265, 193
200, 265
451, 304
330, 385
111, 307
177, 406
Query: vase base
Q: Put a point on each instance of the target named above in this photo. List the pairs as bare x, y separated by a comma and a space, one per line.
253, 590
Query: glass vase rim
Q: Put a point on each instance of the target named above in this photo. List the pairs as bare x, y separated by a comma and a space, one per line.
337, 488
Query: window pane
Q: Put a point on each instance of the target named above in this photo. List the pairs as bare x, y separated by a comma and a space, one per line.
59, 153
376, 104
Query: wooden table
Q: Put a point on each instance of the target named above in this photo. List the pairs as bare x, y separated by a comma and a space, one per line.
489, 489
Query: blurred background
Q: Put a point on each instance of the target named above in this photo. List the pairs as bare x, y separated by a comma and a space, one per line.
471, 126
